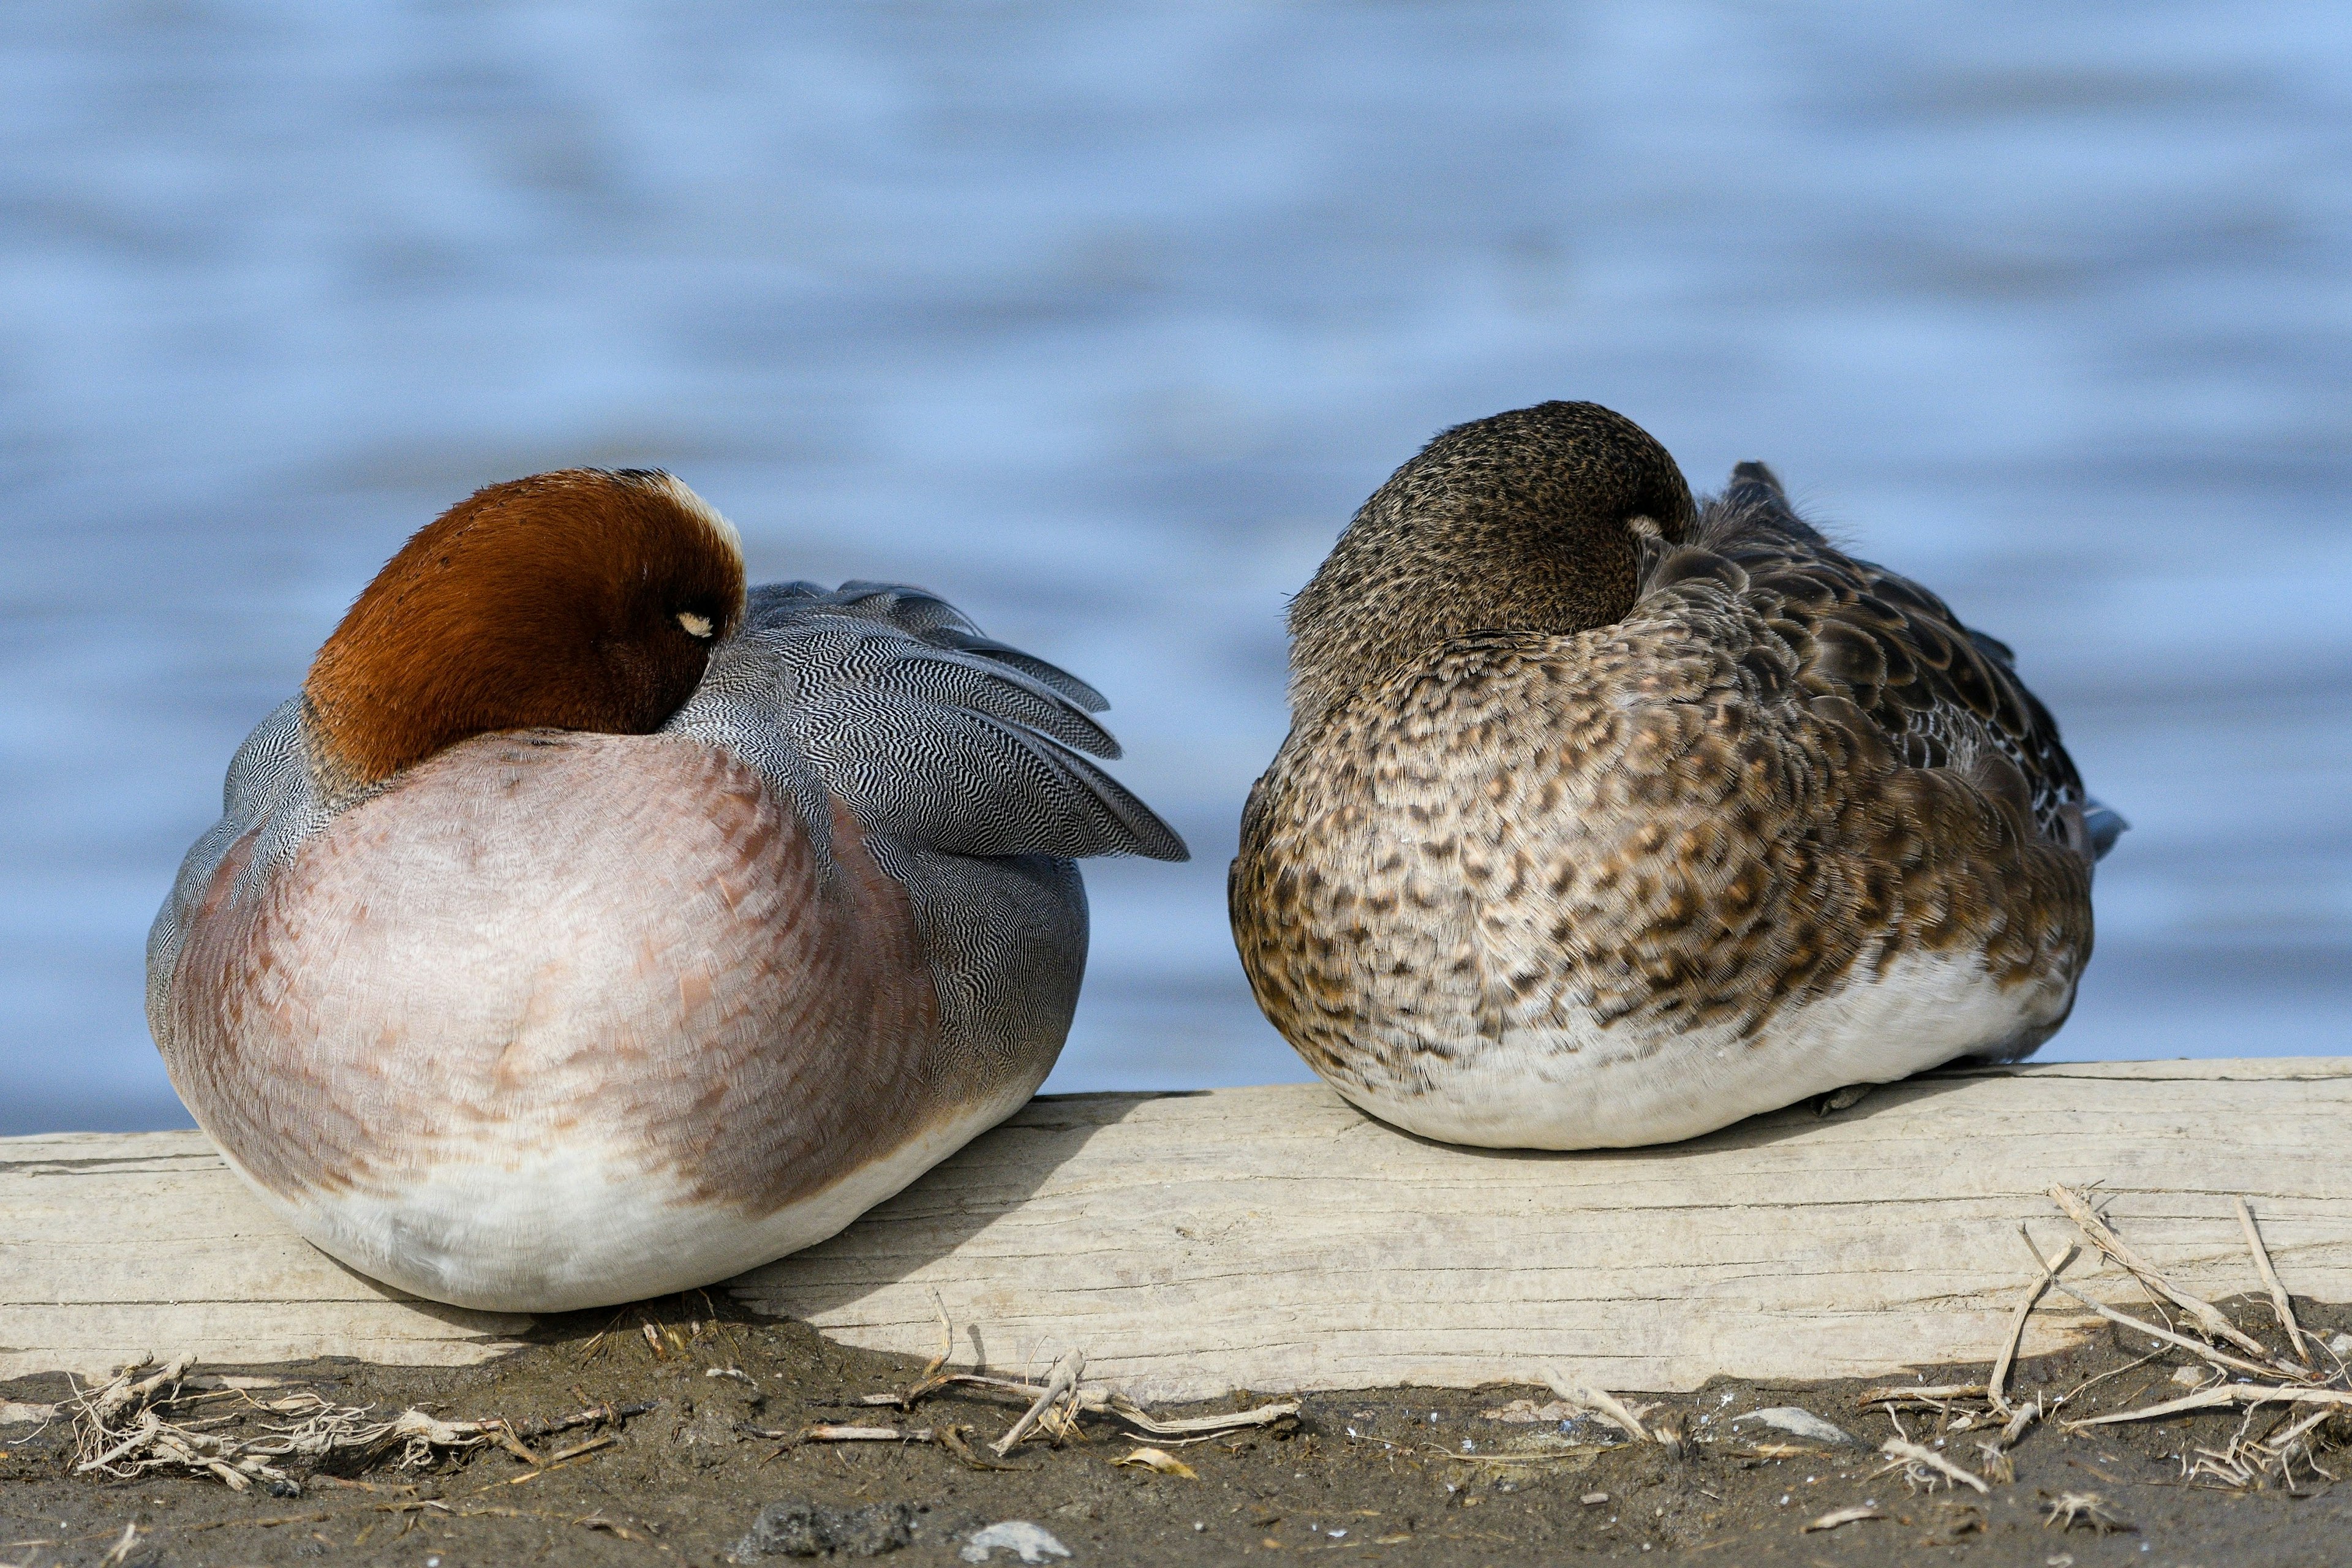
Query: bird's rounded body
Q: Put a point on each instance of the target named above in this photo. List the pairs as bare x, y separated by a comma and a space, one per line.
1777, 825
552, 1017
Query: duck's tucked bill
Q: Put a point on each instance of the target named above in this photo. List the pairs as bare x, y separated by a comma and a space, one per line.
588, 928
1609, 817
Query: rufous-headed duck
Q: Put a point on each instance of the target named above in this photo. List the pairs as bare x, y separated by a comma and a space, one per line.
587, 930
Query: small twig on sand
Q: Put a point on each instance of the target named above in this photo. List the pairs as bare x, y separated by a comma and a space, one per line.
1842, 1516
1996, 1386
1061, 1383
1911, 1455
957, 1440
827, 1432
1921, 1393
505, 1439
2020, 1417
1074, 1399
2209, 1320
600, 1440
952, 1438
1601, 1403
930, 1381
2279, 1300
1100, 1401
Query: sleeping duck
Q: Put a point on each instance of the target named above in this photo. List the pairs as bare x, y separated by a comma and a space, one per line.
587, 929
1608, 819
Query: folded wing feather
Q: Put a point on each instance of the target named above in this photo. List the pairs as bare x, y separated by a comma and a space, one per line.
922, 727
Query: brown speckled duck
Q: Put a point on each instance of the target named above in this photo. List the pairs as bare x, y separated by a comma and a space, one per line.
588, 929
1609, 819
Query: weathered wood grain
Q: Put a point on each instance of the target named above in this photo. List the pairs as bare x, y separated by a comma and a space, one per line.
116, 1243
1274, 1238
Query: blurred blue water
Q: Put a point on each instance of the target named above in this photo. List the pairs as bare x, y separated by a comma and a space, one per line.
1101, 319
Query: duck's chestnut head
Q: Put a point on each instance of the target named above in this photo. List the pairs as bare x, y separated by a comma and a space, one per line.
583, 599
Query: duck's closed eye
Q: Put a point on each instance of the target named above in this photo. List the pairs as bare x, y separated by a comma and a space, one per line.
696, 626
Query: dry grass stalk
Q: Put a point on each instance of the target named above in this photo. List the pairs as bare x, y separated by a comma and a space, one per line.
1103, 1401
2242, 1463
2020, 1418
2209, 1318
2245, 1463
2214, 1398
2195, 1347
1056, 1405
2279, 1300
825, 1432
131, 1425
1920, 1466
518, 1447
1601, 1403
2285, 1447
1061, 1384
1841, 1516
1997, 1386
565, 1455
956, 1440
1937, 1394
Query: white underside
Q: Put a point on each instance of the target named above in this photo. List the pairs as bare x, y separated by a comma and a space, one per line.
1595, 1087
577, 1226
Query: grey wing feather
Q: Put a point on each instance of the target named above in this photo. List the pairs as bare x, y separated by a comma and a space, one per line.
915, 611
869, 691
269, 790
2105, 824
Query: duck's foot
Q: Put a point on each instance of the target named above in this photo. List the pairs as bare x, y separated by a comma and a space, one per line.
1839, 1100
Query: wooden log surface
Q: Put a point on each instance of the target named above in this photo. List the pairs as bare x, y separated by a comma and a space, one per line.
1274, 1238
117, 1244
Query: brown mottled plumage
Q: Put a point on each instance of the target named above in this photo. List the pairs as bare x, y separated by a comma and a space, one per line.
1607, 819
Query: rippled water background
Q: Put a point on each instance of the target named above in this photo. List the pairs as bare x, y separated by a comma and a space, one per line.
1102, 320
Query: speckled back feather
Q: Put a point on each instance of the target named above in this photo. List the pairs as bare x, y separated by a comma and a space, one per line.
1735, 819
1945, 696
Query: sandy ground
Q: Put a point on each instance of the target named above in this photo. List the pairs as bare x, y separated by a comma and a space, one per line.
1394, 1476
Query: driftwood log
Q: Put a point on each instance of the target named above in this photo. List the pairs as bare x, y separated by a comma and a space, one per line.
1276, 1239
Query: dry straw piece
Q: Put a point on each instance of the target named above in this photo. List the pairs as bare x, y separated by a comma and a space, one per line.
1606, 1406
1054, 1409
131, 1425
2208, 1317
1921, 1466
1162, 1460
2280, 1303
1841, 1516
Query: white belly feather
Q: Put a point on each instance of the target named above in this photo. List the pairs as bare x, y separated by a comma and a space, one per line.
571, 1225
1591, 1087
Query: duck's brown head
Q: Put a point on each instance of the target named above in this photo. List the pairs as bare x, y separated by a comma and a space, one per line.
578, 600
1523, 522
